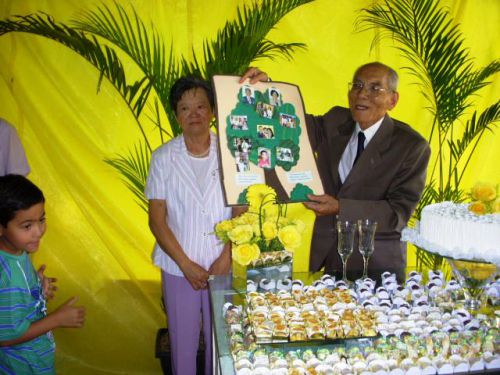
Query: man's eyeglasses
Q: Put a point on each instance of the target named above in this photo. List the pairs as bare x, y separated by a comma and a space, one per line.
372, 89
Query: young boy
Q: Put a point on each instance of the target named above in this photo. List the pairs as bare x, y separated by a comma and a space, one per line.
26, 342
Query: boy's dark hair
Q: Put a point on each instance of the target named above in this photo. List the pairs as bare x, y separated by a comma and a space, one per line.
17, 193
184, 84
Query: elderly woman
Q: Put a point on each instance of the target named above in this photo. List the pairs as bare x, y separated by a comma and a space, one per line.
185, 202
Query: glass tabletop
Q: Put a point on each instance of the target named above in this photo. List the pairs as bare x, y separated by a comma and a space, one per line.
221, 292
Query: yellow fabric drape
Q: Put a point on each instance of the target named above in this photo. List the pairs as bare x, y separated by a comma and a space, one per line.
98, 243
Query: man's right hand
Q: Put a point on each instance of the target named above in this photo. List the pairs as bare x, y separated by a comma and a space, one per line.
322, 204
254, 75
195, 274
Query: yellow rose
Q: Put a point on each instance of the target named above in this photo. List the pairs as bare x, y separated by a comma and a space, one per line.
290, 237
222, 228
260, 194
301, 227
483, 191
479, 208
256, 229
246, 218
269, 230
270, 210
241, 234
246, 253
284, 221
495, 206
251, 218
240, 220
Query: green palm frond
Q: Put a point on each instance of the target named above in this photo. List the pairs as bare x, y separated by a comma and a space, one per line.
155, 118
102, 57
129, 33
432, 261
244, 40
134, 169
474, 130
433, 46
429, 195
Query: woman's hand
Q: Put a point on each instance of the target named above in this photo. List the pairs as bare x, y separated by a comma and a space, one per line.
222, 265
48, 286
195, 274
255, 75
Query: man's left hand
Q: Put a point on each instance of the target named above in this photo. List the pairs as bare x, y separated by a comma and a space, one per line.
254, 75
323, 204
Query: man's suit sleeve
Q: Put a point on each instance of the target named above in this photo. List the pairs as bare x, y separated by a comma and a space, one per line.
401, 198
315, 130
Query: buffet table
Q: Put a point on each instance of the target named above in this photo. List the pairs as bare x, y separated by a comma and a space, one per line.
222, 292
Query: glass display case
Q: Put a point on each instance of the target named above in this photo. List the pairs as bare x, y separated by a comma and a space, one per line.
222, 292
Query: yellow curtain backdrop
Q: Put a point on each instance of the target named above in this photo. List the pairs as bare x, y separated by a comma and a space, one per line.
98, 243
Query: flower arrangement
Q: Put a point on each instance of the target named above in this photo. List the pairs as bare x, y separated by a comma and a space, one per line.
485, 199
263, 234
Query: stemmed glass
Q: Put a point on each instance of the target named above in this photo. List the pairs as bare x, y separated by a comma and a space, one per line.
366, 246
345, 244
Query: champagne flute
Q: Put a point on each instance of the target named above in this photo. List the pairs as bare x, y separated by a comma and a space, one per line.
345, 244
366, 245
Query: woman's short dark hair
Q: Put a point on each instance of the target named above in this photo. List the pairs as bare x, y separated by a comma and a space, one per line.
273, 91
17, 193
184, 84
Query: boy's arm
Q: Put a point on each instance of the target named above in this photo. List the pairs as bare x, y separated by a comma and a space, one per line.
66, 315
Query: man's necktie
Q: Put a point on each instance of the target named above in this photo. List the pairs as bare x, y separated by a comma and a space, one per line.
361, 146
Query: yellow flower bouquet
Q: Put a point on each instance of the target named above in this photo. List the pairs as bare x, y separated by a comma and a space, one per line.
263, 235
485, 199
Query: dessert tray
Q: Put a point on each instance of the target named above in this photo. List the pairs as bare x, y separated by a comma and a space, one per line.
415, 327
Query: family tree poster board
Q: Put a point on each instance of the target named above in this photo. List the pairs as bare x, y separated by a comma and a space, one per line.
263, 139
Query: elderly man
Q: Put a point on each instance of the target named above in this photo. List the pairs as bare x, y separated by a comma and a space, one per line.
372, 167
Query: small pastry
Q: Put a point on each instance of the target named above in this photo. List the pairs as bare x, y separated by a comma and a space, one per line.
251, 286
297, 285
285, 284
267, 284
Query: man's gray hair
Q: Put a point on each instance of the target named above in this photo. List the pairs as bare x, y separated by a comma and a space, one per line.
392, 76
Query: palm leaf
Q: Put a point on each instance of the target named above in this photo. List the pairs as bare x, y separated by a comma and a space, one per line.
474, 130
102, 57
429, 195
244, 40
433, 46
431, 261
129, 33
134, 168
